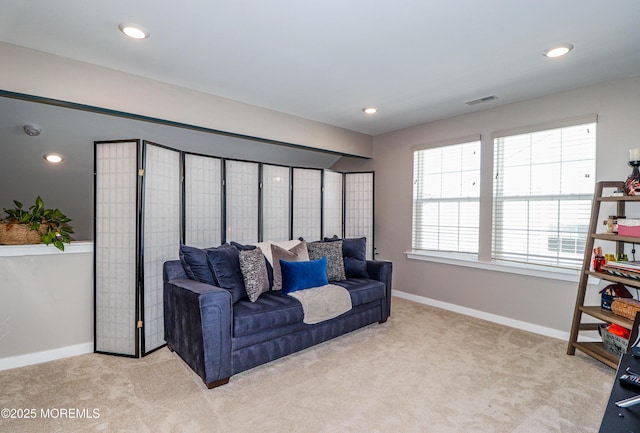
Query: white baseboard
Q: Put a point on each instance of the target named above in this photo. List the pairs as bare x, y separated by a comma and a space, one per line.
45, 356
518, 324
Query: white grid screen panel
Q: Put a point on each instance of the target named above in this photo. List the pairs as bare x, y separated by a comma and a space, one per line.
307, 203
275, 202
115, 247
332, 204
446, 198
358, 194
161, 233
203, 201
242, 188
543, 189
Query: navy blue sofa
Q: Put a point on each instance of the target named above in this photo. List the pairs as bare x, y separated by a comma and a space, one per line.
218, 339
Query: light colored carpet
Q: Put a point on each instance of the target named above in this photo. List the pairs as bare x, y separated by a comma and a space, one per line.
425, 370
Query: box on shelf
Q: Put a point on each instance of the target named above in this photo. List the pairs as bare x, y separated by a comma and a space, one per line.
612, 343
606, 301
629, 227
611, 292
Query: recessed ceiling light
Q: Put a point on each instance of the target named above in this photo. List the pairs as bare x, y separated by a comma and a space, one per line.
558, 50
370, 110
53, 158
133, 31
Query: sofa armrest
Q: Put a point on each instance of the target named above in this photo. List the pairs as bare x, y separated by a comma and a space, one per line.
198, 320
382, 271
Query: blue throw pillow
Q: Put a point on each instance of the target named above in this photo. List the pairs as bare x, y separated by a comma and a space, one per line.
224, 262
195, 264
355, 257
303, 275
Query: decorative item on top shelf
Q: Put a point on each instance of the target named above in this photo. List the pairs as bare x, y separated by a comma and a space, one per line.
612, 223
632, 185
35, 225
611, 292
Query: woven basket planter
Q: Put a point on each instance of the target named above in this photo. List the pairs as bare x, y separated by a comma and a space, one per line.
20, 234
625, 307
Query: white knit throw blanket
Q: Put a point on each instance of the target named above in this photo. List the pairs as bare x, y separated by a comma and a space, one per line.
323, 303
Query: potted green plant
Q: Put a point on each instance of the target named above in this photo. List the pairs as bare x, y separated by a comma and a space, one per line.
35, 225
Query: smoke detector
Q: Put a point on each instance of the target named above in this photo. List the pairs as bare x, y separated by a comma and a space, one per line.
482, 100
32, 130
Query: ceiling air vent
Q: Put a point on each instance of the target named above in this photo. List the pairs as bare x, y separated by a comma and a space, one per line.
481, 100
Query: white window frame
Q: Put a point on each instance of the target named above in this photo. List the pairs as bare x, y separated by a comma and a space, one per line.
431, 196
483, 259
554, 205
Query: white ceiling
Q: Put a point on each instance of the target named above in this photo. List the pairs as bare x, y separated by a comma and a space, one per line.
416, 60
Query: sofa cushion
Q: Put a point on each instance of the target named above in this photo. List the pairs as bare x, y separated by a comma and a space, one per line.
195, 264
354, 253
333, 252
254, 273
297, 253
224, 262
303, 275
271, 310
363, 290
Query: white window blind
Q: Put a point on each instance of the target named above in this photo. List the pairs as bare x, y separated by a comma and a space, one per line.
446, 194
543, 188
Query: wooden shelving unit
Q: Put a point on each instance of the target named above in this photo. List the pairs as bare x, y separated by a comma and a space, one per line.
596, 349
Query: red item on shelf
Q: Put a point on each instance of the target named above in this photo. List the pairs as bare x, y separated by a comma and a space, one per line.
619, 331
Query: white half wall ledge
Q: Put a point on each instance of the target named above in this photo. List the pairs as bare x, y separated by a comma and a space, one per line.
75, 247
45, 356
512, 323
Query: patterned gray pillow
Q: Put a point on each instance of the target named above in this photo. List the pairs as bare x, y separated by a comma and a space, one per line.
254, 273
333, 252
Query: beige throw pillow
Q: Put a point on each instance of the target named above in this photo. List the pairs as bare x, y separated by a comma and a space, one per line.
296, 254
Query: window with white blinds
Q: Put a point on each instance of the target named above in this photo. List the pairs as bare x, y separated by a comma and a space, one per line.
542, 193
446, 196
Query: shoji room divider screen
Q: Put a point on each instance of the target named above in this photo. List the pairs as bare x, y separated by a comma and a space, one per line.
307, 204
358, 208
332, 204
137, 228
276, 202
149, 198
203, 197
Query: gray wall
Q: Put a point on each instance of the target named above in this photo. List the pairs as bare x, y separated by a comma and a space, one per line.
545, 302
71, 132
24, 70
46, 303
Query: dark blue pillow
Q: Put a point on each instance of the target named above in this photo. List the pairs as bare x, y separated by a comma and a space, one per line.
195, 264
242, 247
224, 262
303, 275
354, 253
